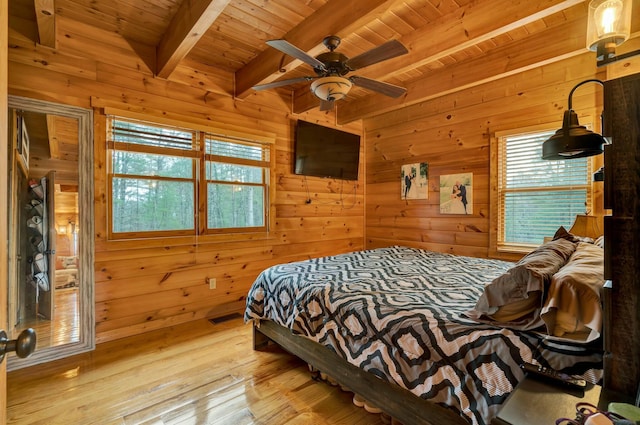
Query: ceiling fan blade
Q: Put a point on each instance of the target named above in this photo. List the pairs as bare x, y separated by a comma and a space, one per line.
378, 86
326, 105
282, 83
385, 51
285, 47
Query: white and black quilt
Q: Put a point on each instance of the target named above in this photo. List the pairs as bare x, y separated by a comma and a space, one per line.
397, 312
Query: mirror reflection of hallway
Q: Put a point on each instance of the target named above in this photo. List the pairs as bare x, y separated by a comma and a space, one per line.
43, 250
50, 170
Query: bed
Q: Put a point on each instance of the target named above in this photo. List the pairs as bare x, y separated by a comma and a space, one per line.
412, 332
66, 274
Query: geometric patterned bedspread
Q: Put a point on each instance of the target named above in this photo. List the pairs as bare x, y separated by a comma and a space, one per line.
398, 313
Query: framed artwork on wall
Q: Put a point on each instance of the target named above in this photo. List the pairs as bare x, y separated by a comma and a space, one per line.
414, 181
456, 193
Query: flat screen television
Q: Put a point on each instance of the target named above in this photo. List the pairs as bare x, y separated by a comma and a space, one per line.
326, 152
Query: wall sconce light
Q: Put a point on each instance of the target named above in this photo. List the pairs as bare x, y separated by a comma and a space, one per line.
608, 26
573, 140
331, 88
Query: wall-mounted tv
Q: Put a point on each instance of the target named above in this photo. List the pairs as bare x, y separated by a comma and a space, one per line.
326, 152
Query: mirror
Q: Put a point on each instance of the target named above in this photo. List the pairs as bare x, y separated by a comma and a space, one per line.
50, 246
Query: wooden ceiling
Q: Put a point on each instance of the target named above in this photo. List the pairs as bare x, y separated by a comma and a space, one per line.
53, 145
453, 44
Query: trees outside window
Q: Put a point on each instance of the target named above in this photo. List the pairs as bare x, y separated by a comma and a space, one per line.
165, 181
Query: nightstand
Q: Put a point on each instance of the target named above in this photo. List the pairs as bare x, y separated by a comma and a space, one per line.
535, 402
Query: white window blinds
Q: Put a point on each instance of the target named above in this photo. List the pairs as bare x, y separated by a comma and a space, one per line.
537, 196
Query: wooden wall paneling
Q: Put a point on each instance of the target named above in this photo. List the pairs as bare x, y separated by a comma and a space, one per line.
129, 79
204, 77
28, 81
100, 169
79, 38
303, 251
452, 134
625, 67
143, 285
328, 234
37, 55
163, 270
139, 325
459, 120
557, 77
323, 224
162, 306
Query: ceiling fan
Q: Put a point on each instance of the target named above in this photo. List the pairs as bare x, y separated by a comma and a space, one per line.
330, 84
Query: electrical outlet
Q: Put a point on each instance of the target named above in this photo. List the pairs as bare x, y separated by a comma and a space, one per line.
212, 282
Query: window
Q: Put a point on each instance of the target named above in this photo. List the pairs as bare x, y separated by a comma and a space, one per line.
169, 181
536, 197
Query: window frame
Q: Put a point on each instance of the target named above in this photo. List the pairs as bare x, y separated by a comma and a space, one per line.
497, 246
199, 160
263, 163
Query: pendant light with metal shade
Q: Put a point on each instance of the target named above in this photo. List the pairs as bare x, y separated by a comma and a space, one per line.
573, 140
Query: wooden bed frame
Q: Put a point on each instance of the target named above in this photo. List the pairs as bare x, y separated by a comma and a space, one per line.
395, 401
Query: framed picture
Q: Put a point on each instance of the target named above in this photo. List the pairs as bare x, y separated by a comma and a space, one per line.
414, 181
456, 193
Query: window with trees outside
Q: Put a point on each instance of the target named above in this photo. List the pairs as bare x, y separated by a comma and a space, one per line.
169, 181
536, 196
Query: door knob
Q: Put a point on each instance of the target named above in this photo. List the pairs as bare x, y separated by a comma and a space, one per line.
23, 346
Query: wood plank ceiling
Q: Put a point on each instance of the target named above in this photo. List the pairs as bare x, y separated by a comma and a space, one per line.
453, 44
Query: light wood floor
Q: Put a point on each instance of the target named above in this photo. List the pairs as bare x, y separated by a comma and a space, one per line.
196, 373
65, 326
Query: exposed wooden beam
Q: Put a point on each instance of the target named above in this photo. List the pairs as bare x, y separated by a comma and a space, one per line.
191, 21
336, 17
546, 47
472, 24
46, 19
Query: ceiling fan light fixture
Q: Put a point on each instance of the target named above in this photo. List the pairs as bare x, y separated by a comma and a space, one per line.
331, 87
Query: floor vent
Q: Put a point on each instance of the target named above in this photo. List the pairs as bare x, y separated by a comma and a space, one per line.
222, 319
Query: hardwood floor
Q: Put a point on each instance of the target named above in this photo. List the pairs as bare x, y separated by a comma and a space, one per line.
196, 373
65, 326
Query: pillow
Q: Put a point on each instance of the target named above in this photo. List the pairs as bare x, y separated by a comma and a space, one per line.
518, 309
599, 242
70, 262
572, 308
514, 299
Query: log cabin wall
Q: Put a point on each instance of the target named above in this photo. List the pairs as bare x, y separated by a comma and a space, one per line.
146, 285
149, 284
452, 134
